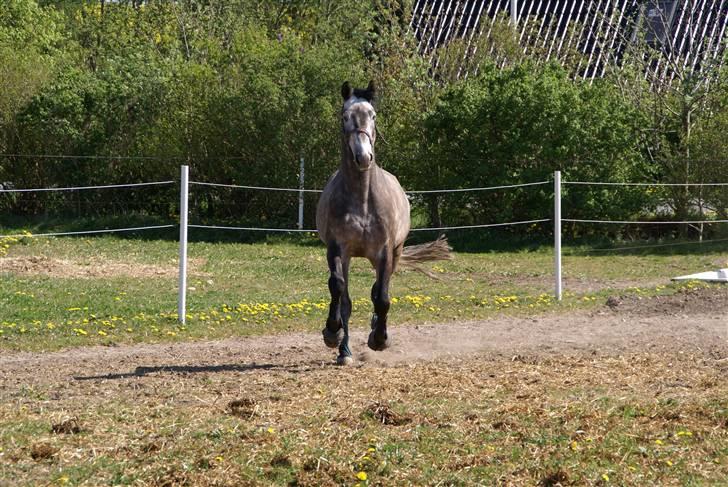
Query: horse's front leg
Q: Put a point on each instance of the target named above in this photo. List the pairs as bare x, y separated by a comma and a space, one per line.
333, 332
336, 332
378, 339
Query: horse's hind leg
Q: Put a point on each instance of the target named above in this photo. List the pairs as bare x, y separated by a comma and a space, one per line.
378, 339
333, 332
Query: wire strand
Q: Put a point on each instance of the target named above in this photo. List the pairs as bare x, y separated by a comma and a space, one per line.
487, 225
461, 190
642, 222
457, 190
264, 188
77, 188
253, 229
595, 183
637, 247
412, 230
88, 232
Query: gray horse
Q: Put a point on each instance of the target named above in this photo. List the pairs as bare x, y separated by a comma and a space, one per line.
364, 212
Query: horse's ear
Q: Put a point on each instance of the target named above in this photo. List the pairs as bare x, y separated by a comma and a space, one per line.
346, 90
371, 92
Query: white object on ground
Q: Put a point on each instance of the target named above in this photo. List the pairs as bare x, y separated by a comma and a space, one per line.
721, 275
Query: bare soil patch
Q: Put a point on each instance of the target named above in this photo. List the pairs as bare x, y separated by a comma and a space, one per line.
42, 265
689, 321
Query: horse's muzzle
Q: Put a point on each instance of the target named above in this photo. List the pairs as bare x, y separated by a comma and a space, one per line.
363, 161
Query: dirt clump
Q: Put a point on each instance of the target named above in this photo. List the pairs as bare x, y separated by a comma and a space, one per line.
384, 414
243, 408
67, 426
42, 451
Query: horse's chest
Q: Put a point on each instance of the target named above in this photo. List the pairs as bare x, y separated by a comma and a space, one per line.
358, 225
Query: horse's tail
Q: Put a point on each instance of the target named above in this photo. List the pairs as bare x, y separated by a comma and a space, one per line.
414, 255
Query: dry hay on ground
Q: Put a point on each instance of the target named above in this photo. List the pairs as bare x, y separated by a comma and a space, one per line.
648, 409
573, 417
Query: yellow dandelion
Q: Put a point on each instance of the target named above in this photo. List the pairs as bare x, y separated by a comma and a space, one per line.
605, 477
361, 476
658, 442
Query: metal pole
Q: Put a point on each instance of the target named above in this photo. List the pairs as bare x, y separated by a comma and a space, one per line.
557, 233
183, 200
301, 180
514, 13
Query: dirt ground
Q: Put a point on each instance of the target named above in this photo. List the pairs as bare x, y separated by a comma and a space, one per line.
273, 410
43, 265
693, 321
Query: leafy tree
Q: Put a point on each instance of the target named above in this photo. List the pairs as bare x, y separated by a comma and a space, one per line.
519, 125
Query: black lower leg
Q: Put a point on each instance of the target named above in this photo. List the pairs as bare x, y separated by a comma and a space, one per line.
332, 332
344, 350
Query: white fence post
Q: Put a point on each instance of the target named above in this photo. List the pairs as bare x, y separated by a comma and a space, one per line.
557, 234
301, 180
183, 199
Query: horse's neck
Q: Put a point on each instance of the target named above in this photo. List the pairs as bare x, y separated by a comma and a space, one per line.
358, 183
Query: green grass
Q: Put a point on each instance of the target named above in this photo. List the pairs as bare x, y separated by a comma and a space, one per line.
240, 289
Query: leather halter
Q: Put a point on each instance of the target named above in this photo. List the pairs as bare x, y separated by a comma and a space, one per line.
360, 131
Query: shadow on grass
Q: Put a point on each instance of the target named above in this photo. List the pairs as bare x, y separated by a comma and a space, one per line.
143, 371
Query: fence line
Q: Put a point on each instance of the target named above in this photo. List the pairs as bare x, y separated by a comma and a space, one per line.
313, 230
78, 188
488, 188
184, 213
88, 232
596, 183
253, 229
627, 222
264, 188
426, 191
654, 246
487, 225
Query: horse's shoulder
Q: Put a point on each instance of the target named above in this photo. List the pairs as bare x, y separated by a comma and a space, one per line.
391, 181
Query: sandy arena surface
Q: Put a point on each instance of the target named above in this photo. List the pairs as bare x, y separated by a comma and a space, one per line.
693, 322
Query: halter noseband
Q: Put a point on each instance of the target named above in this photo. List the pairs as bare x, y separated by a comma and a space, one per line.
360, 131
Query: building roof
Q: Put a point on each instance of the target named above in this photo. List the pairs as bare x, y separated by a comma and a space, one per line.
684, 33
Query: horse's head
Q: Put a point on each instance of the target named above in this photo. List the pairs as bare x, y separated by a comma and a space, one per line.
358, 123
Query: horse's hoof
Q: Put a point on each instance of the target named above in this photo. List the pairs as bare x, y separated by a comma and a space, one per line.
333, 339
378, 343
344, 360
